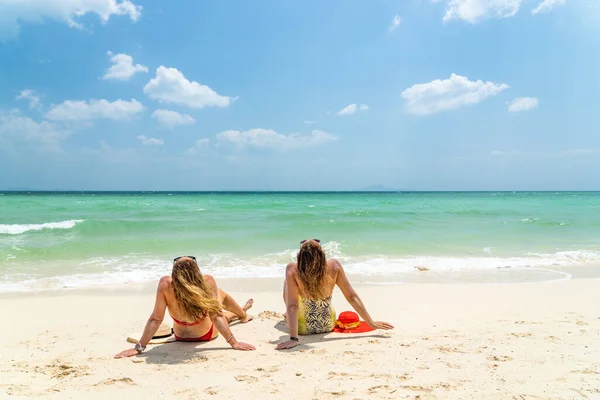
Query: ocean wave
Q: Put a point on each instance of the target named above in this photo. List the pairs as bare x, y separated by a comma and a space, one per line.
138, 268
17, 229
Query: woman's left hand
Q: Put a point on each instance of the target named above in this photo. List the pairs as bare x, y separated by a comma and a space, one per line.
287, 345
127, 353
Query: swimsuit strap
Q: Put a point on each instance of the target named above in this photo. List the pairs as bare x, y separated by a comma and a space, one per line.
186, 323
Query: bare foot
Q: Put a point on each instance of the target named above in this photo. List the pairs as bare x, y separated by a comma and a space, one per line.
246, 307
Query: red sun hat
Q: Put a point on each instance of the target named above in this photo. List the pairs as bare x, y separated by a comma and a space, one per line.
348, 322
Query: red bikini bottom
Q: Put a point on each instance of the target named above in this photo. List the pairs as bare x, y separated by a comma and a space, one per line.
205, 338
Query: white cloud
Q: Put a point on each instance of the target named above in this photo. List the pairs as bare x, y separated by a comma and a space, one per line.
146, 141
122, 68
16, 129
448, 94
170, 86
523, 104
474, 11
348, 110
15, 12
94, 109
395, 23
269, 139
199, 145
547, 5
352, 108
27, 94
171, 119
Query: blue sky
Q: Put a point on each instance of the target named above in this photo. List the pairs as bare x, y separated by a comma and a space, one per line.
265, 95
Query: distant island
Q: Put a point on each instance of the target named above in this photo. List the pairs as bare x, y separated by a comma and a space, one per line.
377, 188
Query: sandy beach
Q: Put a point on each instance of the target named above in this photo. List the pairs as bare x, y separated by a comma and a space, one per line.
463, 341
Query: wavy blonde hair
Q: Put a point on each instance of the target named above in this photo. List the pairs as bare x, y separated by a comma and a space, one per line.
194, 297
312, 270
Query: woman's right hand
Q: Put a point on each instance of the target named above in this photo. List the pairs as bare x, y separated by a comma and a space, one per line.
242, 346
381, 325
287, 345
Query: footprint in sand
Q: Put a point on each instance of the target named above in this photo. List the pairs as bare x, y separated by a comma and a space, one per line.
521, 334
246, 378
586, 371
380, 389
417, 388
267, 371
499, 358
125, 381
60, 370
326, 392
195, 360
271, 315
212, 390
449, 349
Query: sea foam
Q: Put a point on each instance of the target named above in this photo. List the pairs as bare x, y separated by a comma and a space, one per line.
139, 268
17, 229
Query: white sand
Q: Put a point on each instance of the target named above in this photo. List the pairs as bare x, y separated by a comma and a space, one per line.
535, 341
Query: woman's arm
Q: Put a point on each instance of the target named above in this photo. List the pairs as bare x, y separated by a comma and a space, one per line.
156, 318
221, 323
354, 300
291, 302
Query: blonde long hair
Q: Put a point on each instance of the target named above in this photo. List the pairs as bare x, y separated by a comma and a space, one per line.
194, 297
312, 270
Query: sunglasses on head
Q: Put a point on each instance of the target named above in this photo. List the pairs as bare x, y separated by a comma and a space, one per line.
180, 257
306, 240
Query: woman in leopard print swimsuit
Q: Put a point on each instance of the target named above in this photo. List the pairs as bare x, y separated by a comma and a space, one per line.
307, 291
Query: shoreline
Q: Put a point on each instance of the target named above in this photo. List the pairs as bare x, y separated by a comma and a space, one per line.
497, 276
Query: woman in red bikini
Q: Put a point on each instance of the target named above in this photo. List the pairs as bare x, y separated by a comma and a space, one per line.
196, 307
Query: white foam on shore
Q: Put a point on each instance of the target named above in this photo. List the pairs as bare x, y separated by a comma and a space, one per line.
137, 268
17, 229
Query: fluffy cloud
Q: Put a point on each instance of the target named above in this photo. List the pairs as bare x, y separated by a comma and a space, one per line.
146, 141
17, 129
94, 109
547, 5
30, 95
269, 139
199, 145
448, 94
170, 118
170, 86
523, 104
122, 67
395, 23
352, 108
478, 10
14, 12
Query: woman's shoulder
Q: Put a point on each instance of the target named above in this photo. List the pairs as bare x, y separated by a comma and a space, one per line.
165, 282
334, 264
291, 269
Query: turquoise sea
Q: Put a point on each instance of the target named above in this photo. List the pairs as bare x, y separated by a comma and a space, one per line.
72, 240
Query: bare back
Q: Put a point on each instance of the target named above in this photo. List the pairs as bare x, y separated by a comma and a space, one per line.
199, 327
333, 269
